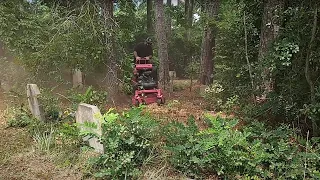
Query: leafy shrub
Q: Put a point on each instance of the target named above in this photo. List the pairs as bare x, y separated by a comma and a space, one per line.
50, 105
128, 140
181, 141
193, 69
254, 152
91, 96
213, 95
68, 133
231, 103
19, 117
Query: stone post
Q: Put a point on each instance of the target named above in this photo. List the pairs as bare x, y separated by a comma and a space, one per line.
77, 78
34, 105
90, 113
172, 75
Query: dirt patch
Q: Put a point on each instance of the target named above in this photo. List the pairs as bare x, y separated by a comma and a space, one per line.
18, 160
33, 166
13, 141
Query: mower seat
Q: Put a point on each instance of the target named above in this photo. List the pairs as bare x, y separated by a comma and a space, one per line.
148, 85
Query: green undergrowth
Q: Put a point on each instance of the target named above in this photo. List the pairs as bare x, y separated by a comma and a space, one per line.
254, 152
133, 141
90, 96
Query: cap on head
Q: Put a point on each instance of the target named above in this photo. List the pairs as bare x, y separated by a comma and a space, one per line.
149, 40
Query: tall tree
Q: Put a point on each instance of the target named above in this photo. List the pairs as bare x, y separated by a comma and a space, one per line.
270, 27
162, 44
149, 17
169, 18
110, 54
189, 6
308, 72
208, 42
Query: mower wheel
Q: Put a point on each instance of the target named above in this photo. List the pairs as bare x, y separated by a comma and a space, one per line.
160, 101
136, 103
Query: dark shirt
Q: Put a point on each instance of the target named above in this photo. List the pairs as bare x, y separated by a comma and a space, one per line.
143, 50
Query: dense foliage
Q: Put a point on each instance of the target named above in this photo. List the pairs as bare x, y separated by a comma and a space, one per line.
128, 141
49, 37
254, 45
254, 151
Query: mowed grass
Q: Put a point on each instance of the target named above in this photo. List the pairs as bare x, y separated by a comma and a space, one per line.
182, 84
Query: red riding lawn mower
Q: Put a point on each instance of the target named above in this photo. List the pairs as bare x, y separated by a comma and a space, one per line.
146, 90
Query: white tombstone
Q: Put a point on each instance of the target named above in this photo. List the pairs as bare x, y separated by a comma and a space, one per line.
90, 113
173, 2
77, 78
172, 74
34, 105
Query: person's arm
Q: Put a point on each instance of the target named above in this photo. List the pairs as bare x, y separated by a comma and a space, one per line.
135, 54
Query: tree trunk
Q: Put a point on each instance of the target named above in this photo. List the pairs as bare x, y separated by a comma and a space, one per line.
269, 32
169, 19
149, 17
308, 73
186, 8
162, 45
208, 43
190, 13
111, 76
169, 24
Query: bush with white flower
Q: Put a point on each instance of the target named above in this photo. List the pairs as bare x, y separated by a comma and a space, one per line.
212, 95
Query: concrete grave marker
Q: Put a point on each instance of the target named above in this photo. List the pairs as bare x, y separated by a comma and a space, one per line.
202, 89
172, 76
77, 78
34, 105
89, 113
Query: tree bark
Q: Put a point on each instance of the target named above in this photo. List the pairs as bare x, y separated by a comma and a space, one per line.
270, 27
149, 17
190, 13
162, 45
111, 76
169, 24
186, 8
246, 49
169, 19
315, 128
208, 43
189, 5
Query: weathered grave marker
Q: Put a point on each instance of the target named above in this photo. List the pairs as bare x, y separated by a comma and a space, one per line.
77, 80
90, 113
34, 105
202, 89
172, 76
